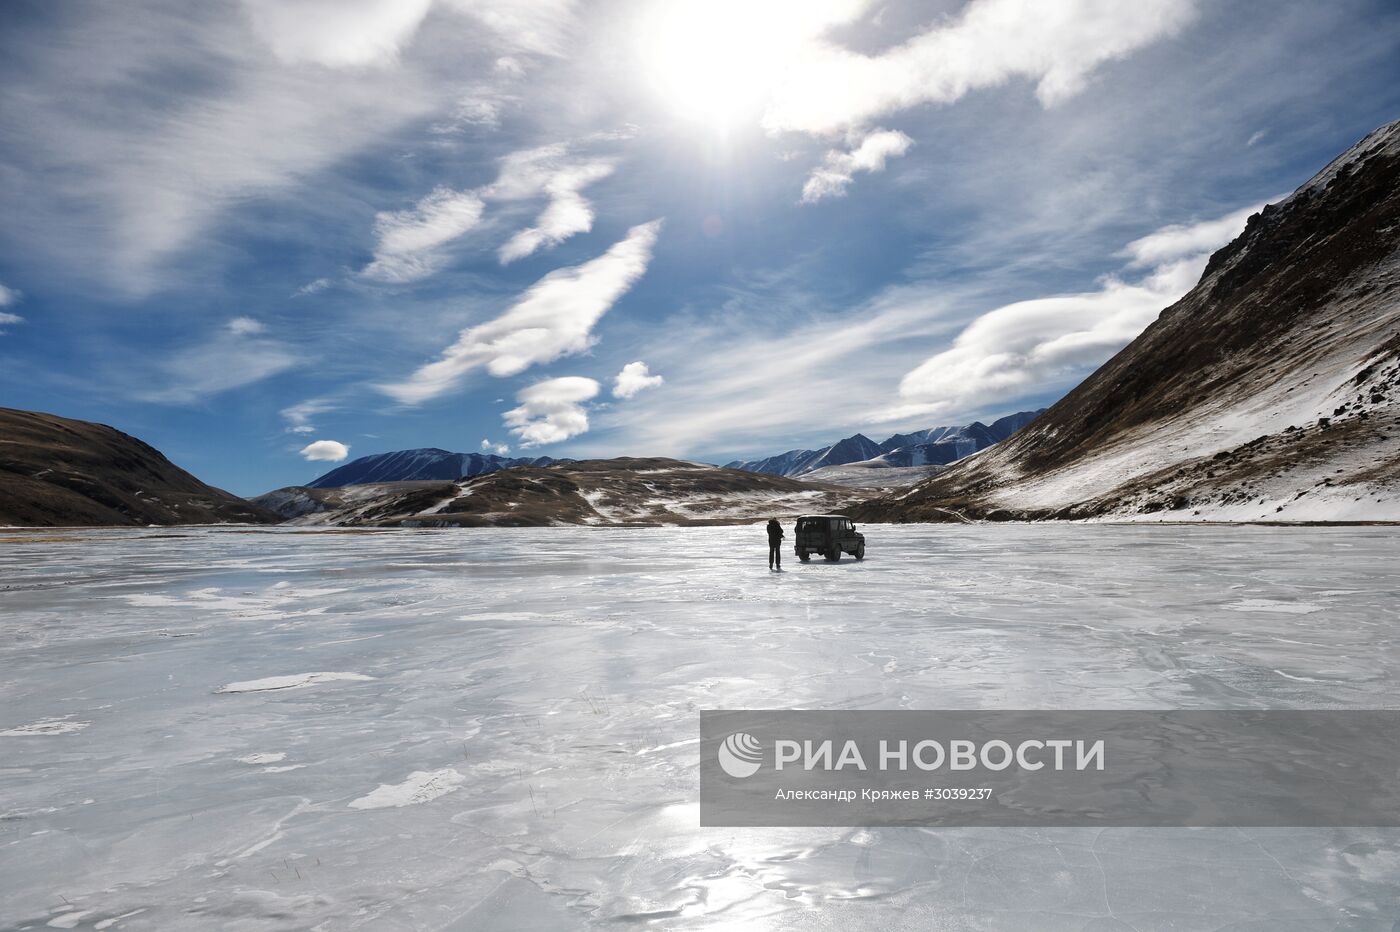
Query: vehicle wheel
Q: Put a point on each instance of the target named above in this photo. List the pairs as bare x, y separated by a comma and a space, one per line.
860, 550
803, 555
835, 555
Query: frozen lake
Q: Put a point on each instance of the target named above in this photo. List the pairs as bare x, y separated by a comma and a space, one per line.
496, 729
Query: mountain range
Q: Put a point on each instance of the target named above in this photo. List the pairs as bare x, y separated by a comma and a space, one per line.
1270, 391
421, 464
623, 491
936, 446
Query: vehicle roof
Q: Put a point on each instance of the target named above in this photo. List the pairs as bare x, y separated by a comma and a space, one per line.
808, 517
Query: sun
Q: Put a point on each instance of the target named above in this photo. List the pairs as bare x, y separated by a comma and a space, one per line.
717, 62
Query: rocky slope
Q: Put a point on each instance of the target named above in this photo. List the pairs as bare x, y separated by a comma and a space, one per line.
622, 491
58, 472
1271, 391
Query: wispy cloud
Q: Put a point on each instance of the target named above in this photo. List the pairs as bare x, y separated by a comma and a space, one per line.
313, 287
410, 241
372, 33
298, 416
1049, 343
227, 360
554, 318
1058, 44
868, 154
500, 449
738, 383
551, 411
337, 33
633, 378
9, 296
241, 105
328, 451
539, 27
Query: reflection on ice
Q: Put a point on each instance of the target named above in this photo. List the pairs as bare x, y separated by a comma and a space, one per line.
510, 738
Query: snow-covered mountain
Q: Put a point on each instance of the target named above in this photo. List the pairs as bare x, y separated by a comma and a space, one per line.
935, 446
1271, 391
414, 465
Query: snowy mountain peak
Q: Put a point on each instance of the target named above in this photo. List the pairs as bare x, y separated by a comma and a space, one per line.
935, 445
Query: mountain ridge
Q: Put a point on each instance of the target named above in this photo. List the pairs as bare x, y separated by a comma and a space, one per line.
62, 472
419, 464
934, 446
1270, 391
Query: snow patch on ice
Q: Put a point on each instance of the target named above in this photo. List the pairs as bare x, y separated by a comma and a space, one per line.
1274, 605
293, 681
264, 758
48, 726
421, 786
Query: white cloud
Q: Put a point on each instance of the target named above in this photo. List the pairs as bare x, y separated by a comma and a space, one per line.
299, 416
337, 33
1056, 43
567, 213
7, 318
500, 449
551, 411
1183, 239
244, 326
1034, 346
634, 378
870, 155
410, 241
554, 318
328, 451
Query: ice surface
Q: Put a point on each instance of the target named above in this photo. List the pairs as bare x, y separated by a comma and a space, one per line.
548, 682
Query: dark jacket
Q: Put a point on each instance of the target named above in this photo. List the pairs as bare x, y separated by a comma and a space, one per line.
775, 533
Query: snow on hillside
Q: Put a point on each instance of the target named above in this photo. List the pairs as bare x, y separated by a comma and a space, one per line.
1271, 391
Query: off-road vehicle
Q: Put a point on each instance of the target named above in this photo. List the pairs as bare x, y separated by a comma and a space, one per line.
828, 535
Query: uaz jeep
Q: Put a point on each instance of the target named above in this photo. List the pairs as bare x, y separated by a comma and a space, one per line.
828, 535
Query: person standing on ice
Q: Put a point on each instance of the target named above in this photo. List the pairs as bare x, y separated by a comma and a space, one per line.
775, 545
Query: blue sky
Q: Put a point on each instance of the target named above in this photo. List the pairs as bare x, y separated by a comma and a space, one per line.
252, 234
